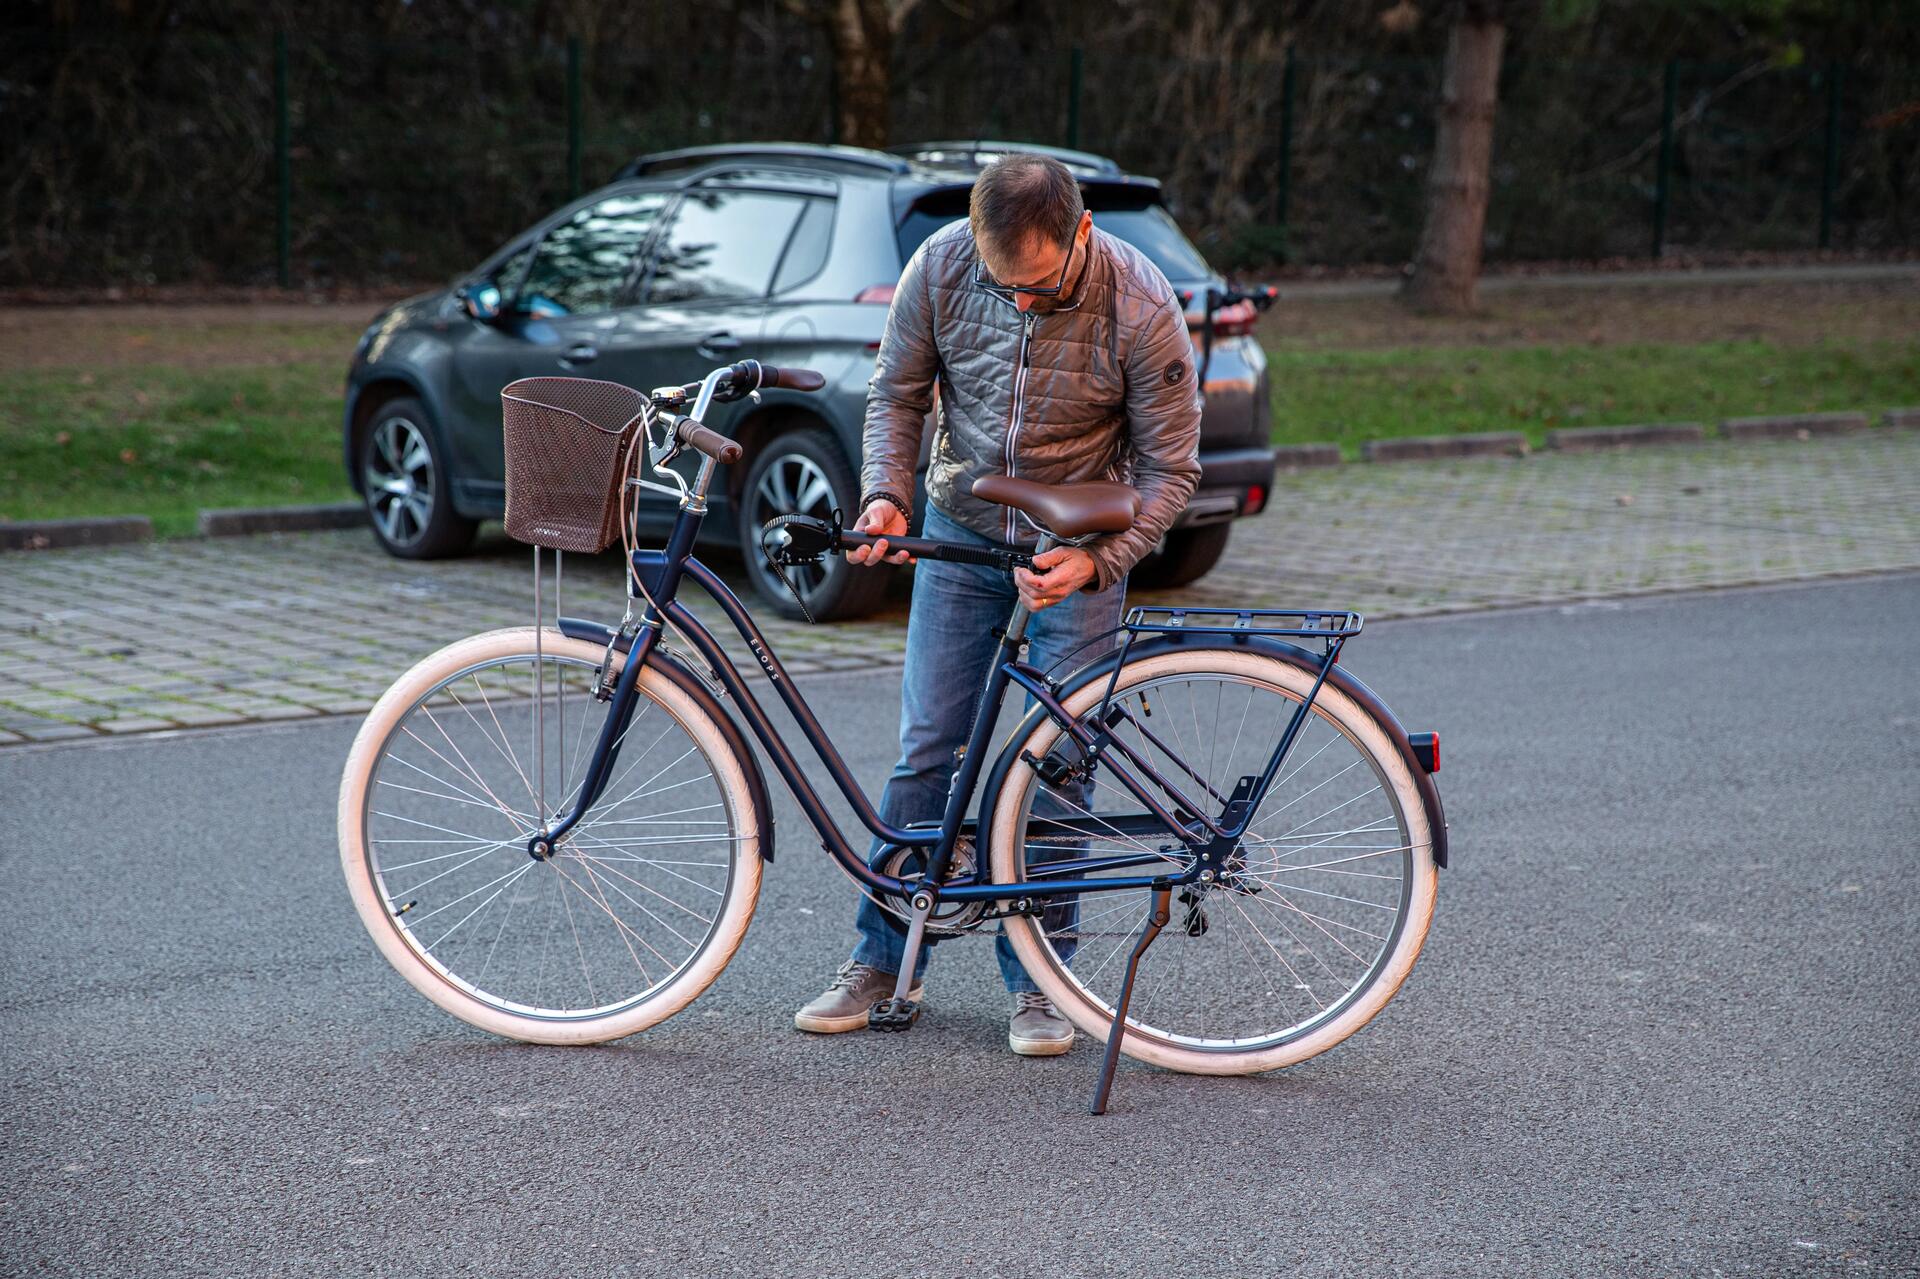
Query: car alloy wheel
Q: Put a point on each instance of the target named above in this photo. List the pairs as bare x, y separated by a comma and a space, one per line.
794, 484
400, 481
805, 472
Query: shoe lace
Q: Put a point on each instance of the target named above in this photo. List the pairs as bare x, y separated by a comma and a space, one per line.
1027, 1001
851, 974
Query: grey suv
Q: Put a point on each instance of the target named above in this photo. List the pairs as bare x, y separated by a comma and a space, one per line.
785, 253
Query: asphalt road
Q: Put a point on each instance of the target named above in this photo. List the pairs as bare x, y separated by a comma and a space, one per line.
1665, 1023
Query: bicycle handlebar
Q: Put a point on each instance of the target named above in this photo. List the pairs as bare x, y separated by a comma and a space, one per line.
803, 539
922, 548
787, 379
712, 443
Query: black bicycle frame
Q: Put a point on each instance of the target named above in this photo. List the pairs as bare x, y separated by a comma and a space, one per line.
661, 574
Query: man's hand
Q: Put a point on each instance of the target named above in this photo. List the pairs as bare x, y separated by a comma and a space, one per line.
883, 518
1065, 569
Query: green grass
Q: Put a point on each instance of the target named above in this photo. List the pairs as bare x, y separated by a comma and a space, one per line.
164, 442
1347, 397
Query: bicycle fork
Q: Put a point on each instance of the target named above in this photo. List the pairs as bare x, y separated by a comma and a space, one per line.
606, 750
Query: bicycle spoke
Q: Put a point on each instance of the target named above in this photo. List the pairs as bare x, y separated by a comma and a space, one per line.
1264, 950
618, 922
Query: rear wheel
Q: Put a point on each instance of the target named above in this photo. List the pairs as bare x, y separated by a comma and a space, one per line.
632, 916
1318, 914
1186, 555
805, 473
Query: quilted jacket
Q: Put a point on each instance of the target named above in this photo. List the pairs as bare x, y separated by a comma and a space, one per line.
1102, 388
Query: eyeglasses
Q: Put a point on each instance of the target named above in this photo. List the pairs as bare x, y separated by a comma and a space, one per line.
1005, 292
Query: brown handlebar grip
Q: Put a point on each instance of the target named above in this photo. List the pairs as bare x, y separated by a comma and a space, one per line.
791, 379
712, 443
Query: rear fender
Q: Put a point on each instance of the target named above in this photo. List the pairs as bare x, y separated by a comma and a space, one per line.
1149, 646
694, 687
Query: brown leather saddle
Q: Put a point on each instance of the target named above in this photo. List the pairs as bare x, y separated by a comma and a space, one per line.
1065, 510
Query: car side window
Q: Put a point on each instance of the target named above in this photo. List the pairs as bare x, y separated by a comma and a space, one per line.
507, 275
722, 244
583, 264
807, 250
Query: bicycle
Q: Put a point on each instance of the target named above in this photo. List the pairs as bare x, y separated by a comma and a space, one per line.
1214, 774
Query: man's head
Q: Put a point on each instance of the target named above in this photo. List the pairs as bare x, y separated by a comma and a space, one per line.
1030, 227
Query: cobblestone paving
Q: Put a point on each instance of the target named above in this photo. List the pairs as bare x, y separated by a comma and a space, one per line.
183, 633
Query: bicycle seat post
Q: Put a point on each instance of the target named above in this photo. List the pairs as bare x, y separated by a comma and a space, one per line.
1017, 623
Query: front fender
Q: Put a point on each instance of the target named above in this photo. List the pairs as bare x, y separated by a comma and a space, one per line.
1149, 646
696, 688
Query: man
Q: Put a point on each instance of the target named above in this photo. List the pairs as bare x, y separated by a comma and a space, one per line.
1060, 354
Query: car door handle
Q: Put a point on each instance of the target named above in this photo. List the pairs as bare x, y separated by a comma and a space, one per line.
716, 345
580, 353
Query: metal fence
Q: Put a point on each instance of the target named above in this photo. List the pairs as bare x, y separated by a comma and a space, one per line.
365, 160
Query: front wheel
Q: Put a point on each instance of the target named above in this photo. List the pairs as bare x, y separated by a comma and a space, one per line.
1315, 918
632, 916
404, 482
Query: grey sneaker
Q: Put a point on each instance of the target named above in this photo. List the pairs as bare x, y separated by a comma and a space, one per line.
1036, 1029
843, 1005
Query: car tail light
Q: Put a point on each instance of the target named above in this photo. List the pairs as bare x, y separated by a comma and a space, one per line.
878, 293
1256, 499
1235, 321
1228, 322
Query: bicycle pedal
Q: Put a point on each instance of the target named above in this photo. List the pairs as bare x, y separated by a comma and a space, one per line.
893, 1014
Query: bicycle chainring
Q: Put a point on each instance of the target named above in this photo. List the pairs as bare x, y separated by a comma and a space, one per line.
950, 919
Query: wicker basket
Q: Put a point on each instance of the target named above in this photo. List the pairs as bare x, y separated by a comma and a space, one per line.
566, 438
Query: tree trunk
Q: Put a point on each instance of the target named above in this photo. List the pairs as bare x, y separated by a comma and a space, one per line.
862, 36
1446, 268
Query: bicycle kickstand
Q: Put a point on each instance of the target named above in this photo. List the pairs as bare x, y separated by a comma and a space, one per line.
1156, 920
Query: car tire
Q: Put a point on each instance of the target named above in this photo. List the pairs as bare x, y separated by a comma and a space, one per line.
804, 472
406, 488
1187, 555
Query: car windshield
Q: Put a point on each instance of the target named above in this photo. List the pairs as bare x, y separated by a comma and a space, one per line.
1151, 230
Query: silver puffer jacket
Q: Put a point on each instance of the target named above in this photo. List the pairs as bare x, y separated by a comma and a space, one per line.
1102, 388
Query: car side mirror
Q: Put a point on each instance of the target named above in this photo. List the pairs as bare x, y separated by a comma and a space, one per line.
481, 300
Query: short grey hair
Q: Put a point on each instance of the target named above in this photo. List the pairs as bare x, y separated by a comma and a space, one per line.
1019, 196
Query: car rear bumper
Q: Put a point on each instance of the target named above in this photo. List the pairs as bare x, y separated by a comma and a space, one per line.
1233, 483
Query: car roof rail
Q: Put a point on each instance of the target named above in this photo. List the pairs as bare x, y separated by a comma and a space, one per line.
807, 154
977, 153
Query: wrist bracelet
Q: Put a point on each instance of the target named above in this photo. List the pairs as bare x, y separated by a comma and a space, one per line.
891, 500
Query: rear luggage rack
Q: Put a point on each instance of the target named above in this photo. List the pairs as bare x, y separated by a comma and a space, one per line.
1296, 623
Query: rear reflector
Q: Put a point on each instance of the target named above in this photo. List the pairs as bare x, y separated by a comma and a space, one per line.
1256, 499
880, 293
1426, 749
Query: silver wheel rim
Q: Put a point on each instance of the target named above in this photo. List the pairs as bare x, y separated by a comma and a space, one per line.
399, 479
632, 899
1328, 852
794, 484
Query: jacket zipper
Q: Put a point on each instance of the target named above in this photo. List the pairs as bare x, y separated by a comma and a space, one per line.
1019, 396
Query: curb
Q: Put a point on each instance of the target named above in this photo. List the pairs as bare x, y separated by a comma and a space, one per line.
1422, 448
1903, 417
1291, 457
1792, 426
47, 535
236, 521
1587, 439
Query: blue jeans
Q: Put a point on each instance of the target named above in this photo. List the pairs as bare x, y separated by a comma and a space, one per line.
950, 649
